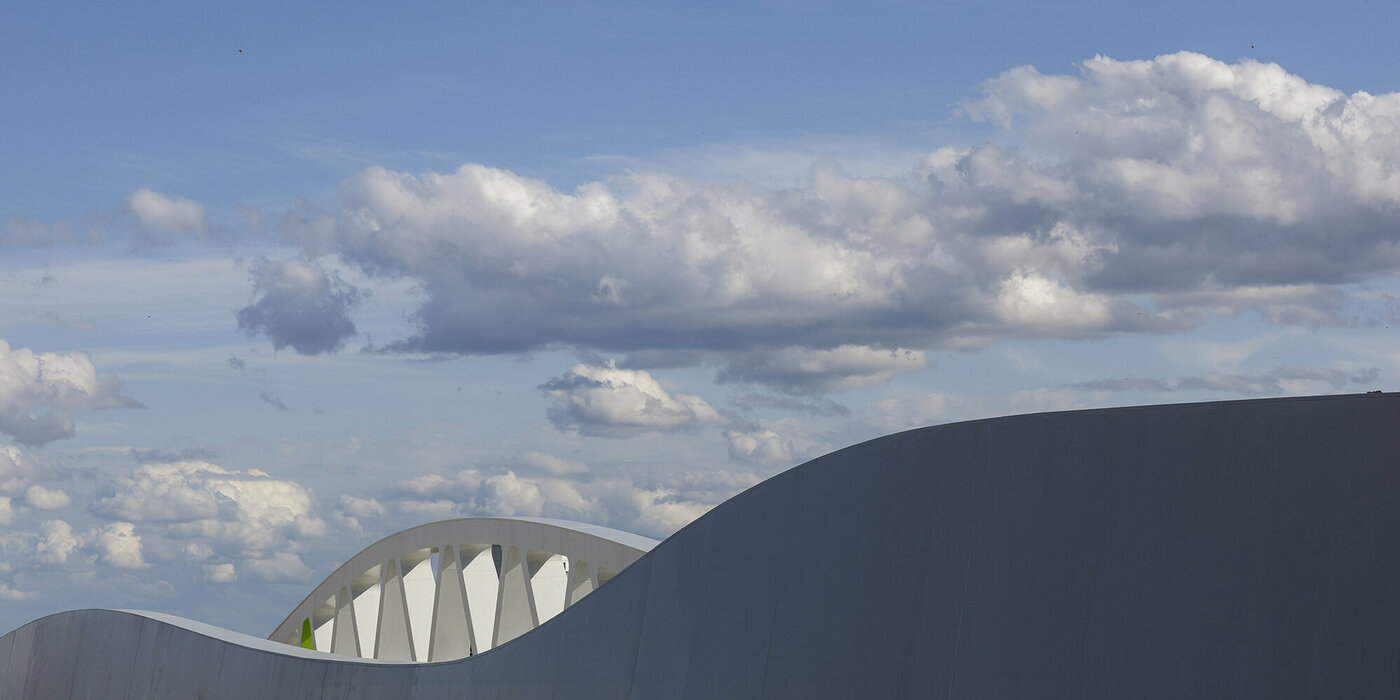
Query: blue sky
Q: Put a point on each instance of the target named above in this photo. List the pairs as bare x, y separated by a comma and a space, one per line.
277, 281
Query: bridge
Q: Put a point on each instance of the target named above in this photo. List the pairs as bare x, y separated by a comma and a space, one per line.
1215, 550
454, 588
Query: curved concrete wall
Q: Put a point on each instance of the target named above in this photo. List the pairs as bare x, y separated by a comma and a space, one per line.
1242, 549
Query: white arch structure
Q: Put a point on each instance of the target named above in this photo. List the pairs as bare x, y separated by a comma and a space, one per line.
454, 588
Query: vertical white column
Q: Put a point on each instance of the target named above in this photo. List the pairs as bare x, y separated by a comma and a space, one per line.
365, 590
580, 581
514, 611
393, 640
418, 588
549, 583
451, 633
323, 624
481, 584
344, 639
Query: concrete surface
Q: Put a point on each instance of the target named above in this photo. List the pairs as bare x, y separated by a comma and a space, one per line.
1221, 550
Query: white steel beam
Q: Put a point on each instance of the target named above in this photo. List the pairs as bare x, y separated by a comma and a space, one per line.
481, 584
451, 632
514, 610
393, 641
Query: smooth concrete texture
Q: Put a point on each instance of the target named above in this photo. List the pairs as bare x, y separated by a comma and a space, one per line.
1222, 550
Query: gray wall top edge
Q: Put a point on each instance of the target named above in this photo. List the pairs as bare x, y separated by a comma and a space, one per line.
203, 629
1178, 405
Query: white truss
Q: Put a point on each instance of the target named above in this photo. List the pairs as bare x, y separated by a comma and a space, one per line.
454, 588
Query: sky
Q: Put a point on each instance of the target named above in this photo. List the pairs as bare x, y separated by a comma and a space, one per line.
278, 281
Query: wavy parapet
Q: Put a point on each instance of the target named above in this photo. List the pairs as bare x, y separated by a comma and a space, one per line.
1219, 550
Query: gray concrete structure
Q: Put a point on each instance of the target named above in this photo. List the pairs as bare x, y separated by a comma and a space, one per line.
1223, 550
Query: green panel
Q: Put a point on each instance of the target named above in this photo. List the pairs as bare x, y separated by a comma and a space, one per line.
307, 640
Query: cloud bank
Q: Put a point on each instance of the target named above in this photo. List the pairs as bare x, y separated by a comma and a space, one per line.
239, 514
39, 392
1135, 197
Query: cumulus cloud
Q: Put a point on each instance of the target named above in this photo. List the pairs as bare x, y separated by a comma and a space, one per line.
38, 392
1235, 175
7, 511
121, 546
245, 512
600, 399
41, 498
762, 446
361, 507
346, 517
220, 573
299, 304
1131, 197
57, 542
16, 469
166, 214
660, 263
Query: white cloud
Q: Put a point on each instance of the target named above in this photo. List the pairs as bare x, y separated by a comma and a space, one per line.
1184, 135
121, 546
512, 496
361, 507
198, 550
600, 399
346, 517
220, 573
761, 446
7, 511
11, 594
39, 390
57, 542
165, 213
16, 469
41, 498
656, 512
651, 504
654, 262
1139, 196
245, 511
280, 566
